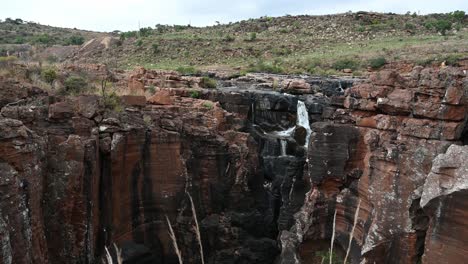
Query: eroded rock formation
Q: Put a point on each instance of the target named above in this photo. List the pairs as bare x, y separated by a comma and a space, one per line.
76, 177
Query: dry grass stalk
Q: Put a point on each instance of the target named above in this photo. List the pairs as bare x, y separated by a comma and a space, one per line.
356, 214
332, 238
118, 253
174, 240
197, 228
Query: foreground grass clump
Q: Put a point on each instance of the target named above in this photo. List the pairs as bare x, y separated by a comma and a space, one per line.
74, 85
207, 82
345, 64
187, 70
261, 66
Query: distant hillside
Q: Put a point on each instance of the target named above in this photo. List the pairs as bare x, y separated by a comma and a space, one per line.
17, 31
292, 44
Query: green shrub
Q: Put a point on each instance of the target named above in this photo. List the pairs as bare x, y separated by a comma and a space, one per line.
207, 82
194, 94
75, 85
410, 26
377, 63
253, 36
144, 32
49, 75
44, 39
139, 43
19, 40
208, 105
442, 26
75, 40
261, 66
458, 15
452, 60
229, 38
425, 62
187, 70
345, 64
429, 25
179, 28
112, 102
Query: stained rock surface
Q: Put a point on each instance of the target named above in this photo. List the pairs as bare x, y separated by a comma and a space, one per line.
76, 177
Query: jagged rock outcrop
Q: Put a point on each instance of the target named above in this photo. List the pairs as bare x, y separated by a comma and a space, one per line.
443, 200
106, 177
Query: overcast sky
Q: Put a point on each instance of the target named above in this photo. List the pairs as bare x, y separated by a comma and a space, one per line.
109, 15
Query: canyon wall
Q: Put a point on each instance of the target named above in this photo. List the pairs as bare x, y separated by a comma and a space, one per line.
77, 177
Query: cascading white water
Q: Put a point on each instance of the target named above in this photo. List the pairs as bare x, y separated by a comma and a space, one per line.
283, 143
303, 120
286, 133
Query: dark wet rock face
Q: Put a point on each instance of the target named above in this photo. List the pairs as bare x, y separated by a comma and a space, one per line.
376, 148
268, 160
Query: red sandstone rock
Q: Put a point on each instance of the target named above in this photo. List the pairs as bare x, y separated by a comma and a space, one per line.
133, 100
444, 200
61, 110
161, 97
382, 159
88, 105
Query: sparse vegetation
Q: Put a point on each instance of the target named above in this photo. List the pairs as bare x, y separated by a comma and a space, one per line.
377, 63
187, 70
155, 48
49, 75
194, 94
262, 66
74, 85
345, 64
207, 105
139, 43
327, 257
252, 36
113, 102
411, 38
229, 38
207, 82
75, 40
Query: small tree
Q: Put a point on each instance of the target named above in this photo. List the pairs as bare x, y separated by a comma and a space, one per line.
458, 15
442, 26
49, 75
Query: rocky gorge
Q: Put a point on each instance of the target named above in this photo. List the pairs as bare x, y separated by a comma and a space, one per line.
278, 166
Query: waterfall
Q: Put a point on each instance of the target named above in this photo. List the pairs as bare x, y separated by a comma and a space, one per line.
283, 143
286, 133
253, 112
303, 120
